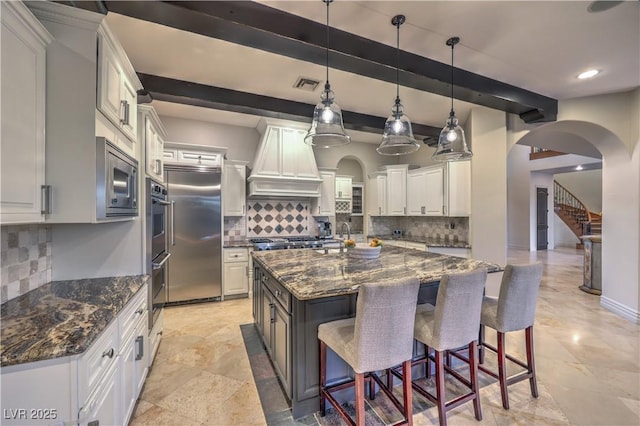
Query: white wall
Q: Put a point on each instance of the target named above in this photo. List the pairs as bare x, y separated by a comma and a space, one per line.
488, 228
350, 167
240, 141
563, 236
586, 185
518, 211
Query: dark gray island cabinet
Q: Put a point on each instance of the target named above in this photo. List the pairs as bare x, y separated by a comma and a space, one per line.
297, 290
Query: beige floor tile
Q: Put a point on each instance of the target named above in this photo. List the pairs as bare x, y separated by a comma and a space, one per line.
588, 362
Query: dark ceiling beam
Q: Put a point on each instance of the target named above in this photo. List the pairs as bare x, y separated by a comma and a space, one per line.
184, 92
262, 27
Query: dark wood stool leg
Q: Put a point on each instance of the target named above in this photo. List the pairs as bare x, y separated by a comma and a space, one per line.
359, 399
502, 371
481, 344
323, 377
440, 395
533, 382
389, 379
407, 389
428, 363
473, 370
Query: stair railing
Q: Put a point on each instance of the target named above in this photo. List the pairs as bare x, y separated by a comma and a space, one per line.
562, 195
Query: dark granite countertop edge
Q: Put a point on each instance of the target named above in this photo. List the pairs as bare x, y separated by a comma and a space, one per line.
93, 314
431, 242
237, 244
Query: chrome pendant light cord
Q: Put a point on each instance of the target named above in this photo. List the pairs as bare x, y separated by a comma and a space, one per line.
452, 44
398, 61
327, 49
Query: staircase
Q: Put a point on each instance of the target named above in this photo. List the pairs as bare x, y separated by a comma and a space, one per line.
574, 213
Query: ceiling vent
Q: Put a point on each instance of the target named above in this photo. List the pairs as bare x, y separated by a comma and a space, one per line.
306, 83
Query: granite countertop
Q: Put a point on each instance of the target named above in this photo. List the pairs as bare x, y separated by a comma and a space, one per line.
62, 318
310, 274
237, 244
431, 242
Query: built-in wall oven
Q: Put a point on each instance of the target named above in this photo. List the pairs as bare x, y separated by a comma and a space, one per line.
157, 254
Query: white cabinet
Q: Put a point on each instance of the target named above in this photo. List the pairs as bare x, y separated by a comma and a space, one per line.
442, 190
325, 204
343, 187
151, 134
451, 251
434, 191
397, 190
73, 117
22, 142
155, 337
100, 385
234, 188
236, 271
457, 188
200, 155
377, 190
116, 90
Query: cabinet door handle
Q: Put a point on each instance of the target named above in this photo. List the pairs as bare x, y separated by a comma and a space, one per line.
243, 209
404, 209
108, 353
379, 211
272, 308
423, 210
123, 111
247, 268
158, 167
140, 311
46, 199
444, 210
140, 347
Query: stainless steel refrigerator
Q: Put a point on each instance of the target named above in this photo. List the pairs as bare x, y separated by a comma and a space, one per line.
194, 233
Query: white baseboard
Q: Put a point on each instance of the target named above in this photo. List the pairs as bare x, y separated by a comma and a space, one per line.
620, 309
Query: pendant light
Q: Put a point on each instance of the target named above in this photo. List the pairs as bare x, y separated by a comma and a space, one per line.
327, 128
452, 145
397, 138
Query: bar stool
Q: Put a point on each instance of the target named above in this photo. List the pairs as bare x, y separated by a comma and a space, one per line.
379, 337
452, 324
514, 310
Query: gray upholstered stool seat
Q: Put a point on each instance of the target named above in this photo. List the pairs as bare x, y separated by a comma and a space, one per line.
453, 323
514, 310
379, 337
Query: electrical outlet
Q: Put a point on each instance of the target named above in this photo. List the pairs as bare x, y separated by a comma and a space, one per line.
452, 225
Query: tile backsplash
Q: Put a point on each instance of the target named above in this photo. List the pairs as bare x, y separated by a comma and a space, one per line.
26, 259
272, 218
355, 222
455, 229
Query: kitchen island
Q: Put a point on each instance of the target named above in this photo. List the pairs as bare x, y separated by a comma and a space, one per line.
294, 291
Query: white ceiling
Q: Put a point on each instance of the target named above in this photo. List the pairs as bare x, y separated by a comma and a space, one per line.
540, 46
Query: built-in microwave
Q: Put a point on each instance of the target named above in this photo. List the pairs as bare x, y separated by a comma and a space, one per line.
116, 181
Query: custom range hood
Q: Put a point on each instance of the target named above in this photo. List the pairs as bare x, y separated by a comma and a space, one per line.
284, 165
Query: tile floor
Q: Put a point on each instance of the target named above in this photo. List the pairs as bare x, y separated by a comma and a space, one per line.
588, 363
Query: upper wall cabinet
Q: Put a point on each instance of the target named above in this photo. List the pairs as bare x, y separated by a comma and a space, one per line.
457, 188
325, 204
117, 85
377, 194
397, 190
425, 196
22, 142
151, 134
343, 187
73, 118
234, 188
197, 155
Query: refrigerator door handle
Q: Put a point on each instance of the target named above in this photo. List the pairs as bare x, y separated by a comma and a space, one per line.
173, 223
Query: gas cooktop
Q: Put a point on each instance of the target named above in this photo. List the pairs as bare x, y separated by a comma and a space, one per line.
280, 243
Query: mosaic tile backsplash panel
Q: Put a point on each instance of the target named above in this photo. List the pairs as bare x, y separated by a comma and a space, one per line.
272, 218
454, 229
234, 228
26, 259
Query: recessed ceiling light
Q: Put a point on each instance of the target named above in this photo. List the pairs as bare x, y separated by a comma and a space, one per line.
588, 74
579, 167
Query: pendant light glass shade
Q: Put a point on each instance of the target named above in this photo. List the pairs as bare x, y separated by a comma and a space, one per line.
327, 128
452, 145
397, 137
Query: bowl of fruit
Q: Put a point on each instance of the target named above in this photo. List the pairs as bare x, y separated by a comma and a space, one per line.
371, 251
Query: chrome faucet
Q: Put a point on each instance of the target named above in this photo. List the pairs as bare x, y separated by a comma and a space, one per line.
342, 225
